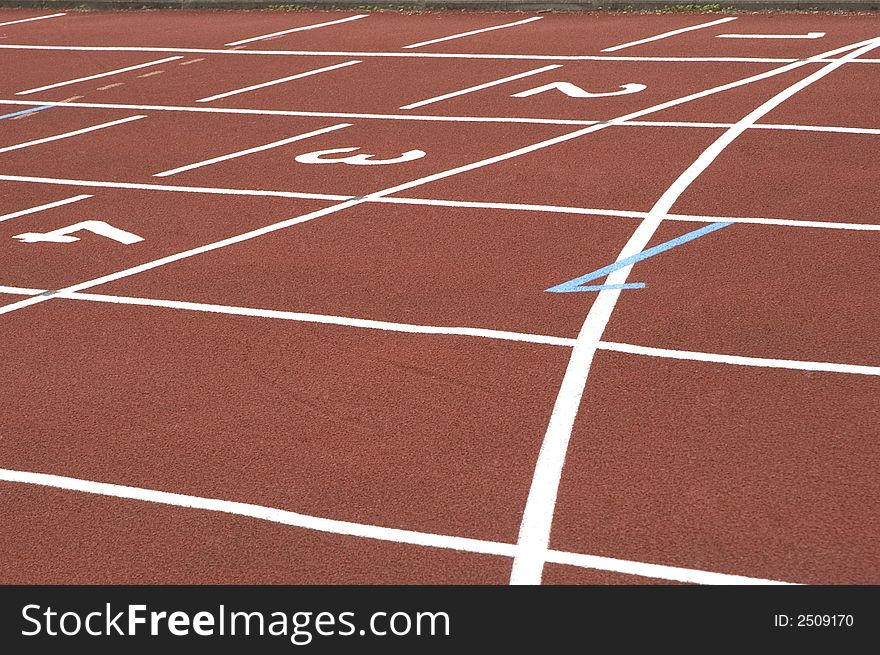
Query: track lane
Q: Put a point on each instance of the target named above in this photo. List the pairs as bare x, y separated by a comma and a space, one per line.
211, 406
51, 536
744, 470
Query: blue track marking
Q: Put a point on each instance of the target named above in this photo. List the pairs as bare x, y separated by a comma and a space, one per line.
577, 284
27, 111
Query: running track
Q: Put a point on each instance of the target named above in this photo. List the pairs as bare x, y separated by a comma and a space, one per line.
309, 337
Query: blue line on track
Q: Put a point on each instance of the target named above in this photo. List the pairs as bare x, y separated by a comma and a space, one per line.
576, 285
27, 111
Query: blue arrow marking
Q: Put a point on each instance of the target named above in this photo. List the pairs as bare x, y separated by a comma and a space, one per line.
575, 285
27, 111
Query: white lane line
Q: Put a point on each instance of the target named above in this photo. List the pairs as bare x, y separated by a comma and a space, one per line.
809, 35
324, 319
21, 291
483, 333
420, 55
28, 20
100, 184
478, 87
434, 118
278, 81
281, 225
48, 205
816, 128
99, 75
150, 74
436, 202
406, 55
191, 61
297, 29
738, 360
659, 571
84, 130
537, 521
111, 86
623, 213
463, 34
666, 35
366, 531
249, 151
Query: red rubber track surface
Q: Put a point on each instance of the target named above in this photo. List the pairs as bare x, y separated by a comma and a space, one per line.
394, 364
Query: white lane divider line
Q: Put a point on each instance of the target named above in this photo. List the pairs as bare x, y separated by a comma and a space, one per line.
436, 202
477, 332
367, 531
472, 32
479, 87
279, 81
248, 151
39, 208
430, 118
666, 35
56, 137
296, 29
425, 55
99, 75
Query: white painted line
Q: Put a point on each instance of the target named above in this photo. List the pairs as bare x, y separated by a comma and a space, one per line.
49, 205
483, 333
99, 75
809, 35
658, 571
191, 61
432, 118
463, 34
478, 87
537, 521
21, 291
324, 319
249, 151
150, 74
622, 213
435, 202
27, 302
420, 55
666, 35
316, 114
278, 81
100, 184
84, 130
259, 512
738, 360
349, 529
111, 86
816, 128
28, 20
297, 29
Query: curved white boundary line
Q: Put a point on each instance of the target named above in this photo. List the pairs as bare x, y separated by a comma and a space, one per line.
534, 537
